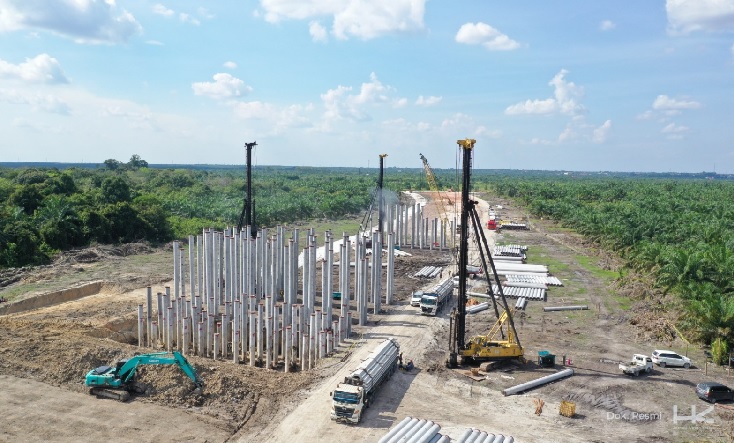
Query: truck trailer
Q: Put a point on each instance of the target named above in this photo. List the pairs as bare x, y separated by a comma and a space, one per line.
355, 394
435, 298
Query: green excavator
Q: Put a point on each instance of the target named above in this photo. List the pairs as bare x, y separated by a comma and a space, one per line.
117, 382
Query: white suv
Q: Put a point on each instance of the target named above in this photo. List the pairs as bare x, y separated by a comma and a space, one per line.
415, 298
669, 358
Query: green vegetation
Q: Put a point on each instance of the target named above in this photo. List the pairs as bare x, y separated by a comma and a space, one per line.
679, 231
596, 271
47, 210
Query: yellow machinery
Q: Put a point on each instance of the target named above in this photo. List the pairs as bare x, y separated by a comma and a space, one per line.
491, 347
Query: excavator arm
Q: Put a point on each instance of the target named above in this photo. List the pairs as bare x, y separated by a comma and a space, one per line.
123, 376
127, 372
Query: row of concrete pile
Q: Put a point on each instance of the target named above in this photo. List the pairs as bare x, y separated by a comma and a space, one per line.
254, 299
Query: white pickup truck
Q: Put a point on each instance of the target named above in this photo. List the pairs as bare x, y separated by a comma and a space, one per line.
638, 364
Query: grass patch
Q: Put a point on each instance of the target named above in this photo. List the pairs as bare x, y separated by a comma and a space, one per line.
586, 263
624, 303
538, 256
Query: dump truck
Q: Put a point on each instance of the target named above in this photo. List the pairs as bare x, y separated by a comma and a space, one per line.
435, 298
354, 395
639, 363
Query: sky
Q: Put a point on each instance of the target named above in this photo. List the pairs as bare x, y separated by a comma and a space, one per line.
577, 85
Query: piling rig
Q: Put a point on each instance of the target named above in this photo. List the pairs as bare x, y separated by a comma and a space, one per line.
247, 217
488, 346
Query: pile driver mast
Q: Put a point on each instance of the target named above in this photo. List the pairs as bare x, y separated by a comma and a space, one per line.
485, 347
458, 329
247, 217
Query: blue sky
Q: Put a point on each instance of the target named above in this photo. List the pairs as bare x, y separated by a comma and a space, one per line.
572, 85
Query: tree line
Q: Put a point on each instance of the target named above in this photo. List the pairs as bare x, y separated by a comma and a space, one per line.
47, 210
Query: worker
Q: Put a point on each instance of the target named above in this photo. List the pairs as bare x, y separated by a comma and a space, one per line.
400, 361
409, 366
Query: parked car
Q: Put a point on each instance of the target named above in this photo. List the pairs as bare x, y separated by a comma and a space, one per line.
415, 298
665, 358
713, 392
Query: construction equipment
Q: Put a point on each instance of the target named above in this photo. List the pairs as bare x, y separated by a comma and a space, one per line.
354, 395
501, 342
117, 382
435, 298
433, 185
247, 217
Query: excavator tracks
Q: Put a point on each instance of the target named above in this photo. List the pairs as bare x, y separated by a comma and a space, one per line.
122, 396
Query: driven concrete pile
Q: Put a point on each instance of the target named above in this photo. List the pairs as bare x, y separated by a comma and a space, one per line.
237, 297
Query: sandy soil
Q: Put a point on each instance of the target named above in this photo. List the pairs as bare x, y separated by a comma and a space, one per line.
45, 352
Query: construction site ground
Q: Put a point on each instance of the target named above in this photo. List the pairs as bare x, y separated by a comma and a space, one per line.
46, 349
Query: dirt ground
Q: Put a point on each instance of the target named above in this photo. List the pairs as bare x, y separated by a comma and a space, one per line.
45, 352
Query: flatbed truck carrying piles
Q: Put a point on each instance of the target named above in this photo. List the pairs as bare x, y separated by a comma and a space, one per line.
355, 394
435, 298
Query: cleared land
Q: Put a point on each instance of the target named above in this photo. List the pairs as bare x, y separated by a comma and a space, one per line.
45, 351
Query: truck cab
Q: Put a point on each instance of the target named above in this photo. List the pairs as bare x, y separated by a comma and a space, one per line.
347, 403
429, 304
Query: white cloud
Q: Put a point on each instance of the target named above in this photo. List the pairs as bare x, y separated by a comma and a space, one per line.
182, 16
186, 18
138, 119
204, 13
601, 133
400, 103
154, 43
40, 69
485, 35
607, 25
564, 101
664, 103
252, 110
674, 132
361, 19
686, 16
224, 86
85, 21
483, 131
568, 134
672, 128
230, 65
162, 10
428, 101
37, 101
540, 141
318, 32
340, 104
277, 119
547, 106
